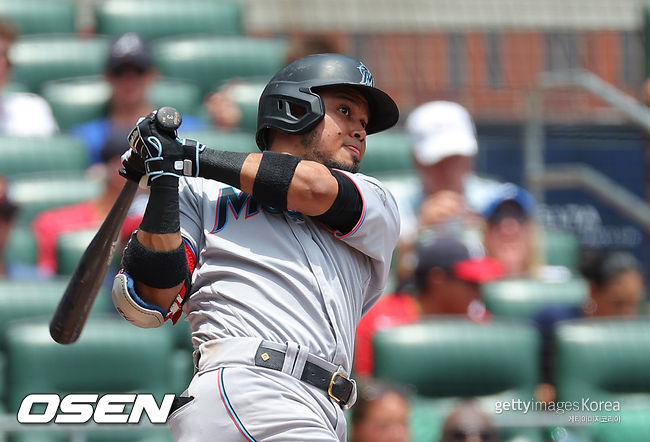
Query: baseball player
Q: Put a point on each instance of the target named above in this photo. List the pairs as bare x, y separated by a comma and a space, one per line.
273, 256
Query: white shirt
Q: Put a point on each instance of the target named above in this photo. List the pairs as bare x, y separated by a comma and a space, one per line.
24, 114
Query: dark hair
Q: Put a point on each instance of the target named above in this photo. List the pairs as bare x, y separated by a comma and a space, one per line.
600, 268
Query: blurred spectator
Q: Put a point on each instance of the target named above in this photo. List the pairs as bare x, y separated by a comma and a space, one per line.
444, 146
510, 231
616, 289
23, 114
447, 279
8, 211
468, 423
130, 73
50, 224
381, 414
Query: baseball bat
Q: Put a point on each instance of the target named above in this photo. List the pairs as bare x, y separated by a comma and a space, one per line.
80, 294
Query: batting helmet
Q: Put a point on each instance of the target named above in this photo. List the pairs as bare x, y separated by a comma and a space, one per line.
295, 83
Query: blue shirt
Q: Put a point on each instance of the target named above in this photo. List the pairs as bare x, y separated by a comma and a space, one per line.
95, 133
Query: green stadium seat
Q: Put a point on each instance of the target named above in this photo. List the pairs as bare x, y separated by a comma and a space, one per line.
211, 60
388, 154
111, 356
59, 153
71, 246
523, 298
604, 359
21, 247
159, 18
37, 192
77, 100
445, 357
40, 16
40, 58
25, 299
561, 248
233, 141
245, 92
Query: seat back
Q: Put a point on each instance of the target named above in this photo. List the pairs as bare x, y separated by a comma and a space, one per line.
40, 16
522, 298
37, 192
111, 356
159, 18
561, 248
71, 246
454, 357
58, 153
605, 359
233, 141
40, 58
388, 154
21, 246
208, 61
77, 100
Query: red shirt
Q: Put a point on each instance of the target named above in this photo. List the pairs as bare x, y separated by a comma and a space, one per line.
389, 311
50, 224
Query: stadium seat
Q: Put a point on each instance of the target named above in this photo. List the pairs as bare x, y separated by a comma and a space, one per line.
21, 247
561, 248
234, 141
388, 154
159, 18
59, 153
71, 245
111, 356
522, 298
77, 100
36, 192
445, 357
40, 58
604, 359
40, 16
25, 299
210, 60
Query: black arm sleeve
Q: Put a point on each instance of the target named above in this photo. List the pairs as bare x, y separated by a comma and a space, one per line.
346, 210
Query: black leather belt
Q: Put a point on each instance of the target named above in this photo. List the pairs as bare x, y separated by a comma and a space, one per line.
336, 384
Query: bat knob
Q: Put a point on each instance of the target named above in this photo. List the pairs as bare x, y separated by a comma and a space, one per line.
168, 119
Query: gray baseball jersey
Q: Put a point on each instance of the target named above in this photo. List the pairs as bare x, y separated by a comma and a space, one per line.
281, 276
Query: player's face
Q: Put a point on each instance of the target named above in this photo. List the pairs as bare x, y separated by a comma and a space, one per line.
339, 141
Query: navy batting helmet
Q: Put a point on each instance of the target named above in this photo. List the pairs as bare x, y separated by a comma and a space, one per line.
294, 86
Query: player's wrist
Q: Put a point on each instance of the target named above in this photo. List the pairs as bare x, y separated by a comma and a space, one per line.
162, 214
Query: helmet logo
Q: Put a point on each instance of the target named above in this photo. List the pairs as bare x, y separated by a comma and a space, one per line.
366, 76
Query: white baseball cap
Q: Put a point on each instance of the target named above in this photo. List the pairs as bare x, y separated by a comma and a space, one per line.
440, 129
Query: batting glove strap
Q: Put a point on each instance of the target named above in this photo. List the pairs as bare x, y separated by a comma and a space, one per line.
131, 307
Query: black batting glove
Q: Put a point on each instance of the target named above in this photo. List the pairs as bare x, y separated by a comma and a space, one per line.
164, 153
132, 166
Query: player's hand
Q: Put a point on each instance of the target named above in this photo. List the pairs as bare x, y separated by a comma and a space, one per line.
441, 207
162, 151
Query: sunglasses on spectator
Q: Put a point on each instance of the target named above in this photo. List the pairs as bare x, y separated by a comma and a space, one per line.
459, 434
127, 69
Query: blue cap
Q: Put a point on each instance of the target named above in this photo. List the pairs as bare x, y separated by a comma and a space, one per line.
511, 192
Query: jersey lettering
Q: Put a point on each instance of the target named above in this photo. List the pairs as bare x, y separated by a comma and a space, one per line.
236, 200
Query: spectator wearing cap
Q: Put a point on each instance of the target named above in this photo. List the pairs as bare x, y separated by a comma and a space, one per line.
50, 224
444, 145
21, 113
450, 195
510, 230
130, 73
447, 279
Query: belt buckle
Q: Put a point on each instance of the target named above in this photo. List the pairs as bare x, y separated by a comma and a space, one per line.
329, 388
